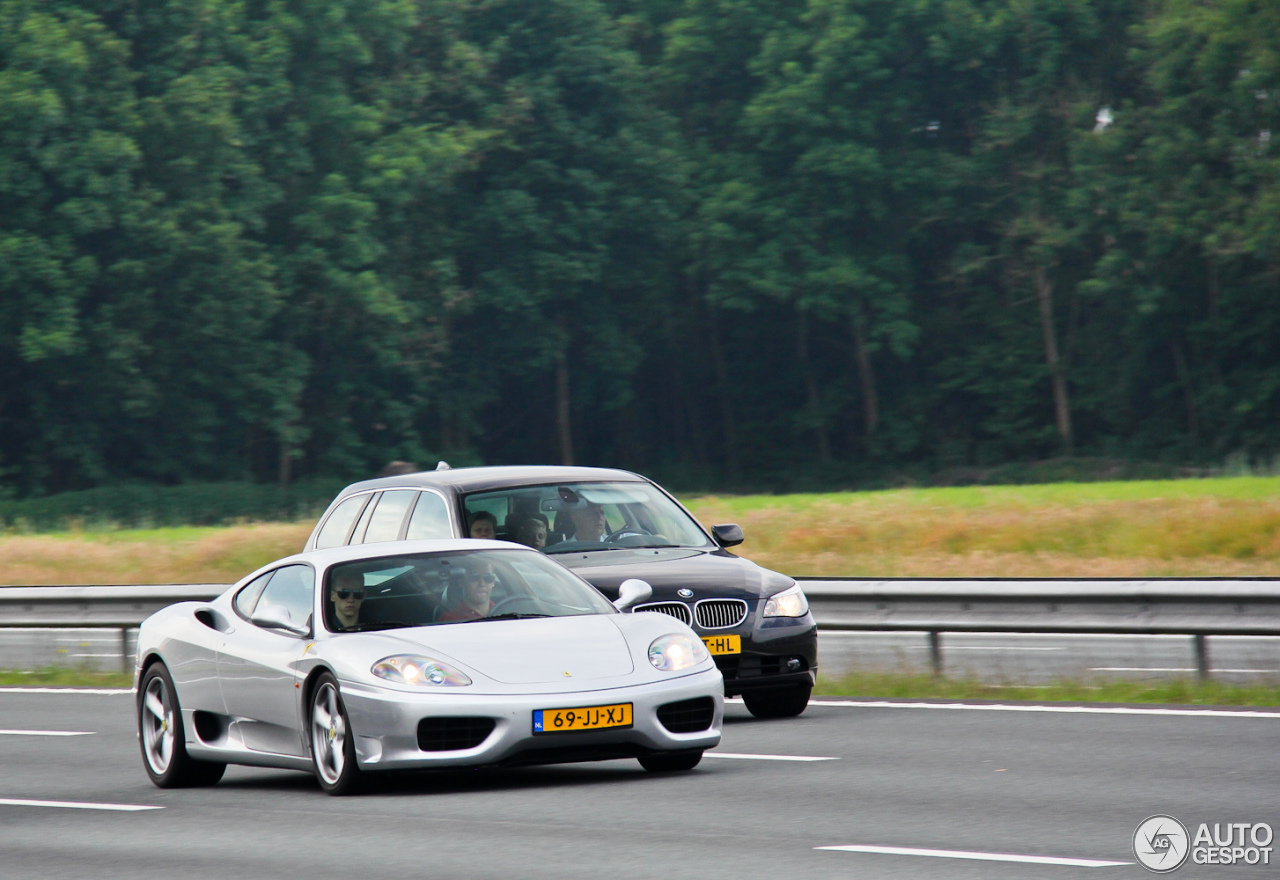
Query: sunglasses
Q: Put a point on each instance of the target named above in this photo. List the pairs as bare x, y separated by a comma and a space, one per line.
350, 594
487, 576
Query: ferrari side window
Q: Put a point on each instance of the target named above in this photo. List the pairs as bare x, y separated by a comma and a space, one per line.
248, 597
291, 587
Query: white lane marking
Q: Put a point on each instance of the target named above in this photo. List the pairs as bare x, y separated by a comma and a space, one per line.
1000, 648
57, 690
1176, 669
744, 757
1068, 710
77, 805
980, 856
46, 733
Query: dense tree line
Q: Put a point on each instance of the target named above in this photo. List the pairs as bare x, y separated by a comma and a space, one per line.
275, 239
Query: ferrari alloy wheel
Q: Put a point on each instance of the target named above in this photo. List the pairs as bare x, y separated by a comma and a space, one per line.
163, 740
671, 762
785, 702
332, 744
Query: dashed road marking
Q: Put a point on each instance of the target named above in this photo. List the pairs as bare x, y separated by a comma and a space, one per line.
1066, 710
746, 757
978, 856
46, 733
77, 805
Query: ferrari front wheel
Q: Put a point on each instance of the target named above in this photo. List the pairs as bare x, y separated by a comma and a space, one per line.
333, 750
163, 737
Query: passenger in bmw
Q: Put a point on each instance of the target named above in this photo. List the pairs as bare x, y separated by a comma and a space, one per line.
532, 532
346, 592
484, 525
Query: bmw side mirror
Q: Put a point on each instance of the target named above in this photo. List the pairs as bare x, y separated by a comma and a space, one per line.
728, 534
277, 617
632, 591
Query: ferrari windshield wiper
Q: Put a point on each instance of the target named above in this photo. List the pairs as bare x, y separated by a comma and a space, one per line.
513, 615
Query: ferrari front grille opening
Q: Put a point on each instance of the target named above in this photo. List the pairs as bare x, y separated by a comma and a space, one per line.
720, 613
688, 716
678, 610
451, 734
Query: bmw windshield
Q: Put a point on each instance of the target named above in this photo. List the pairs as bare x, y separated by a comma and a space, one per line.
582, 517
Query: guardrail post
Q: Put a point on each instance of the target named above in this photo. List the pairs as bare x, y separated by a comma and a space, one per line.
1202, 654
935, 651
125, 666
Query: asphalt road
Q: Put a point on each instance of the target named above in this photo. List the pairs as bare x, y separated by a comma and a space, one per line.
979, 781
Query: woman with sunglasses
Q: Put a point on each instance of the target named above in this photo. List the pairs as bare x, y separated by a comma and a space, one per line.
347, 594
474, 602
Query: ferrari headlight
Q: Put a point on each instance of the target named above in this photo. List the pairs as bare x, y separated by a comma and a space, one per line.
675, 652
416, 669
791, 602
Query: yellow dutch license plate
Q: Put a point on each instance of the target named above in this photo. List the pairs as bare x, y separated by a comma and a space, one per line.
723, 644
585, 718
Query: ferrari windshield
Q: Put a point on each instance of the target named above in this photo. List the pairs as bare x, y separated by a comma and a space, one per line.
578, 517
455, 587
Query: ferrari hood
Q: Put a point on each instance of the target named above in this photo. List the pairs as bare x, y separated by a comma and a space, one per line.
553, 649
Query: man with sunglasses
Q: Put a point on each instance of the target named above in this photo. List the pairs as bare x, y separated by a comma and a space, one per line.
346, 592
474, 602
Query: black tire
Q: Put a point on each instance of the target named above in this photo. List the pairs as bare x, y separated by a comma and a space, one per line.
333, 744
785, 702
671, 762
162, 736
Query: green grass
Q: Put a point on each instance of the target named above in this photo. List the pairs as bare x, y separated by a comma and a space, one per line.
56, 676
1006, 497
1173, 691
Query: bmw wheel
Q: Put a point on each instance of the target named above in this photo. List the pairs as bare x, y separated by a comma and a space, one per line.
785, 702
163, 738
333, 750
671, 762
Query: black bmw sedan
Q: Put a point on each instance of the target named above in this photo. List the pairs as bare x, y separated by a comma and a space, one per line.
609, 526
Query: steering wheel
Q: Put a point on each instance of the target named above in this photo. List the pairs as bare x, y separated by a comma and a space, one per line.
624, 532
507, 604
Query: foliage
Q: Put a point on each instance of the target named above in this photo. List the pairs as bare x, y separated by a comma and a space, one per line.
752, 245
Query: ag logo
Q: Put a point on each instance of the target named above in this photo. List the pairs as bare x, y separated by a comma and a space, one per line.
684, 593
1161, 844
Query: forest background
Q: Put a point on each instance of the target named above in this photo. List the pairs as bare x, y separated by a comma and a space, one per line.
769, 244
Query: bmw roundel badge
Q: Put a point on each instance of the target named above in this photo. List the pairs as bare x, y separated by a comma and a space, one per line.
684, 593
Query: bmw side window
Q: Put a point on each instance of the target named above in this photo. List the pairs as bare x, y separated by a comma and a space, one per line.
357, 537
292, 587
430, 518
247, 598
338, 525
387, 518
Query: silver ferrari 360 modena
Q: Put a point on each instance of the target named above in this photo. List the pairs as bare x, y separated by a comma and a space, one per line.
419, 654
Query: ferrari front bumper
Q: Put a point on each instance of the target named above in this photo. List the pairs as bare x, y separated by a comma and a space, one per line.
385, 723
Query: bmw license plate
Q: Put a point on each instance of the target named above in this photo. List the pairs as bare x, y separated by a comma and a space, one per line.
723, 644
586, 718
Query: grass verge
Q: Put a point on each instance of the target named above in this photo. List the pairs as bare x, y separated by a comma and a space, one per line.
1172, 691
56, 676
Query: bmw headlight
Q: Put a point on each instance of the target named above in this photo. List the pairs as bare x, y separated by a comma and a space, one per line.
416, 669
675, 652
791, 602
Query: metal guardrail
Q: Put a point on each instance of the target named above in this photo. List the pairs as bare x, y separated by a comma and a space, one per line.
1198, 608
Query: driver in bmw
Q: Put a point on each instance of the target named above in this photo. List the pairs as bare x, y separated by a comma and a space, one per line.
588, 523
